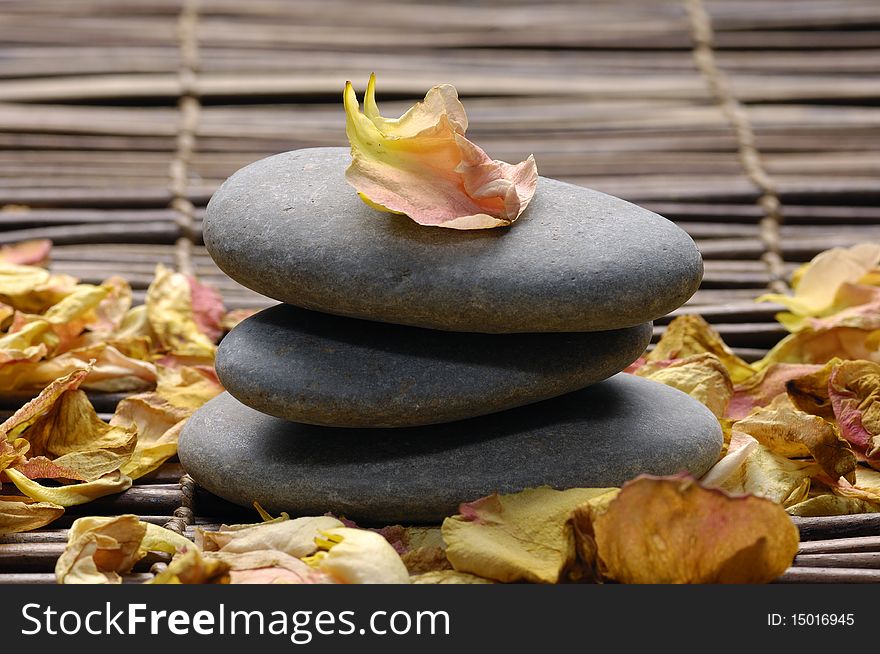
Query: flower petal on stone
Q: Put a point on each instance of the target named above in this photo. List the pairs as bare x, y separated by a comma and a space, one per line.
27, 253
673, 530
702, 376
752, 468
421, 164
293, 537
525, 536
358, 556
691, 334
789, 432
19, 514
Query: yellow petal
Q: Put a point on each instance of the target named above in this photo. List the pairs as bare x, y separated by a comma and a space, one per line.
293, 537
99, 549
32, 289
68, 431
520, 537
357, 556
160, 539
828, 505
112, 310
673, 530
818, 346
448, 577
27, 415
790, 432
170, 312
702, 376
12, 452
188, 387
751, 468
819, 282
690, 334
191, 567
157, 424
73, 494
867, 486
19, 514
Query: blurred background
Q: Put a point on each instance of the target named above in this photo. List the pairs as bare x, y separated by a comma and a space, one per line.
751, 123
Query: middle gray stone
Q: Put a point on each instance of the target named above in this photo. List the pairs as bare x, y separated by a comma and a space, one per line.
329, 370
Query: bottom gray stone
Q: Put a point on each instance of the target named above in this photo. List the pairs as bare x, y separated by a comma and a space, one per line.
599, 436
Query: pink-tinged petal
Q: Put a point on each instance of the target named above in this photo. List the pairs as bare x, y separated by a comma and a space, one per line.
854, 390
760, 389
27, 253
207, 307
421, 165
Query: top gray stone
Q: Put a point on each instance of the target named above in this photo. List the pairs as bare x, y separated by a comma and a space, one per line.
290, 227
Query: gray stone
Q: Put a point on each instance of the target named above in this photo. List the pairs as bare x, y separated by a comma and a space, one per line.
290, 227
329, 370
600, 436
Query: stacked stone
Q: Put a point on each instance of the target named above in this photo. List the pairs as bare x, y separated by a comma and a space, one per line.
412, 368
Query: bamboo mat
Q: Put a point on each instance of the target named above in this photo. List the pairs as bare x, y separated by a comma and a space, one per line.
753, 124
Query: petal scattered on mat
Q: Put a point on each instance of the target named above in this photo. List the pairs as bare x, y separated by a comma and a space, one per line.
73, 494
760, 389
520, 537
293, 537
100, 549
752, 468
702, 376
789, 432
448, 577
19, 514
854, 390
171, 314
357, 556
27, 253
673, 530
691, 334
819, 281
